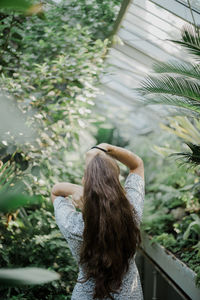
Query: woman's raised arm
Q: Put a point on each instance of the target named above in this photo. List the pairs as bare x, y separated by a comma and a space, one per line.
128, 158
66, 189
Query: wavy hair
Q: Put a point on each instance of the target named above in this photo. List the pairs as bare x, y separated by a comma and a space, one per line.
111, 234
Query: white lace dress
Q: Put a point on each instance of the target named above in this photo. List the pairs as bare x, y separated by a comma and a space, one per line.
71, 225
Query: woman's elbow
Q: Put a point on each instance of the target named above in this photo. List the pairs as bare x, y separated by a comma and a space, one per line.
54, 192
140, 162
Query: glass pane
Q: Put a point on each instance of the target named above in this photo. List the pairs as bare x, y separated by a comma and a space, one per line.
194, 3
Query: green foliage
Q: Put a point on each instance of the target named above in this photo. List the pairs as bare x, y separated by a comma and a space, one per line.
179, 86
194, 226
108, 134
11, 38
197, 281
21, 5
188, 131
13, 16
165, 239
59, 91
11, 202
97, 15
192, 157
24, 276
172, 201
6, 177
22, 34
171, 213
177, 83
51, 65
191, 40
46, 248
157, 223
179, 68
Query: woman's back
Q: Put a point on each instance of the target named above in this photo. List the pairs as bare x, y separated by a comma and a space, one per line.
71, 225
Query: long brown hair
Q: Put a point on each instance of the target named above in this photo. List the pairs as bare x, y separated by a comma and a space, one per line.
111, 234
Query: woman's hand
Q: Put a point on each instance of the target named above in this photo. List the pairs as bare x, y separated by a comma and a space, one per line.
105, 146
126, 157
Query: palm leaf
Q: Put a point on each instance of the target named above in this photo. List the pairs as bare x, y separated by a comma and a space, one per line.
170, 85
183, 128
197, 124
163, 151
3, 166
24, 276
6, 175
190, 40
173, 101
185, 69
192, 157
11, 202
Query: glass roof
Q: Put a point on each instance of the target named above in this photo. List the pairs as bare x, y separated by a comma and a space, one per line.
145, 33
181, 8
195, 4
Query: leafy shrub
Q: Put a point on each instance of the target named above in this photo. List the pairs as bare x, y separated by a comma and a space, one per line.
97, 15
25, 34
36, 241
158, 222
59, 92
165, 239
54, 81
171, 200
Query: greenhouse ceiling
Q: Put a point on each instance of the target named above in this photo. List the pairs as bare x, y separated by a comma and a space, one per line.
143, 38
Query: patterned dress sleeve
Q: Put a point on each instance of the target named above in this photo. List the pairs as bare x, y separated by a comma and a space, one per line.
135, 192
69, 220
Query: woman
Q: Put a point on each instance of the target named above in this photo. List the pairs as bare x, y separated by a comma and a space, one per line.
104, 237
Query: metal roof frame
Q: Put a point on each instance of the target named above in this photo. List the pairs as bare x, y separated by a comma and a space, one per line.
180, 9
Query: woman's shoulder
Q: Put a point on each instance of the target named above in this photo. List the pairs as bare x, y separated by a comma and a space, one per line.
69, 220
134, 181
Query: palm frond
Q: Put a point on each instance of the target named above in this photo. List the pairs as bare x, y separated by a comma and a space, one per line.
190, 40
174, 111
183, 128
170, 85
180, 102
185, 69
197, 124
192, 157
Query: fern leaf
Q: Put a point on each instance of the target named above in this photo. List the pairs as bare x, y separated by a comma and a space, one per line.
173, 101
172, 86
192, 157
190, 40
175, 67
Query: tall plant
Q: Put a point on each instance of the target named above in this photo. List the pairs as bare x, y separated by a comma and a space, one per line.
171, 214
177, 84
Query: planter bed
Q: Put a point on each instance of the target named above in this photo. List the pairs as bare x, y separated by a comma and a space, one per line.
178, 271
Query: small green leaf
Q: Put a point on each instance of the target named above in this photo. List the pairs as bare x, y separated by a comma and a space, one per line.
23, 276
16, 4
13, 202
